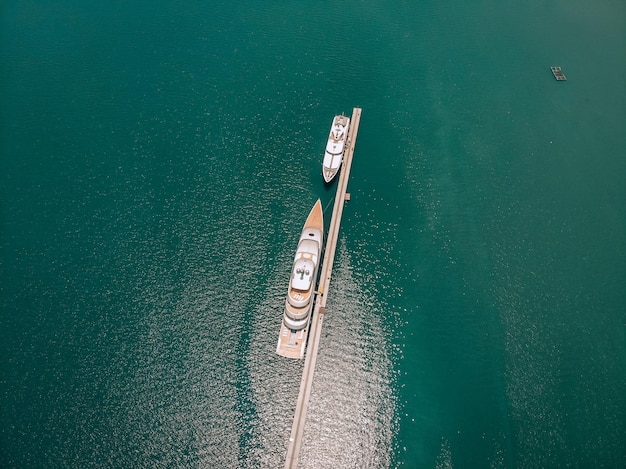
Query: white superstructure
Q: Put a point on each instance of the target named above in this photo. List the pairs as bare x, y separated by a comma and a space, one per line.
301, 291
335, 147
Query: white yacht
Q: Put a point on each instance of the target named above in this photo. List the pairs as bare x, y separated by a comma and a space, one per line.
335, 147
301, 291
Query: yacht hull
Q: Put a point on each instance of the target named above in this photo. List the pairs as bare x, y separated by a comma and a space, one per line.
301, 291
335, 147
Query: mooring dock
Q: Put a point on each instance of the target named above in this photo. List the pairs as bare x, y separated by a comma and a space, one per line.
319, 308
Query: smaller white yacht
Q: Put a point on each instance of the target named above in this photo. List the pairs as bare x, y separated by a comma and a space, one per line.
335, 147
301, 291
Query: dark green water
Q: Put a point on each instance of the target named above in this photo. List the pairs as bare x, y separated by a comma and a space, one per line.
158, 160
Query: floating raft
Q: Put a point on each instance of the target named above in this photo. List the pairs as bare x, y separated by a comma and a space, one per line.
558, 74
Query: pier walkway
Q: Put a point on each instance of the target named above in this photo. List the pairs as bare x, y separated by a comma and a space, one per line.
319, 309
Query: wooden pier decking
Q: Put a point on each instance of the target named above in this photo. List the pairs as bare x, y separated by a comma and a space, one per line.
319, 308
558, 73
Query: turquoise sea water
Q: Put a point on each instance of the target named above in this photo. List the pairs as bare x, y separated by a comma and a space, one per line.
158, 160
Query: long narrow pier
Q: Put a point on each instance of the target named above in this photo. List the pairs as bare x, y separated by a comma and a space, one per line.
319, 309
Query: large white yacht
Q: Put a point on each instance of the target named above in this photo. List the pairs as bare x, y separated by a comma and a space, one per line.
335, 147
301, 292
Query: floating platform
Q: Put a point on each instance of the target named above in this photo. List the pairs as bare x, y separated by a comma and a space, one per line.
558, 73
